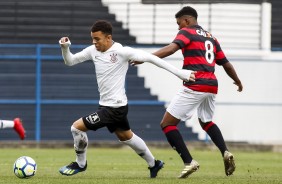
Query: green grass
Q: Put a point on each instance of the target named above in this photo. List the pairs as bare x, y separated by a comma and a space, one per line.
122, 166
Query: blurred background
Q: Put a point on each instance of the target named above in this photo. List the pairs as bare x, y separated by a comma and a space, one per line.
36, 86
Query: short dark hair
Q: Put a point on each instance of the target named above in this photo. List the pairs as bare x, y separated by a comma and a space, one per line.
187, 10
103, 26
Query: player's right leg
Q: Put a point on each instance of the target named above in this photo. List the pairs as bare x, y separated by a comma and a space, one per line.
182, 107
80, 138
169, 126
72, 169
93, 121
189, 169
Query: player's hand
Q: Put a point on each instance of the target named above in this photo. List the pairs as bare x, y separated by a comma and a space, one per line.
192, 77
64, 42
134, 63
240, 86
188, 75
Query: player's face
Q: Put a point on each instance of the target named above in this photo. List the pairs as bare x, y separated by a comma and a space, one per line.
101, 41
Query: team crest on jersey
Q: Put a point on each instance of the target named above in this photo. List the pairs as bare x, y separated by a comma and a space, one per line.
114, 57
93, 118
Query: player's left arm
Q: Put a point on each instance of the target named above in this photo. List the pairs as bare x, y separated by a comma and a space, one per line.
140, 55
229, 69
162, 53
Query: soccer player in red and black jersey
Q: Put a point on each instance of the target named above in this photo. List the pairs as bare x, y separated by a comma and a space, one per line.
201, 51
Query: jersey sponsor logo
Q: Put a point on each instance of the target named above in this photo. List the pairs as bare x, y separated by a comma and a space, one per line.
114, 57
204, 33
93, 118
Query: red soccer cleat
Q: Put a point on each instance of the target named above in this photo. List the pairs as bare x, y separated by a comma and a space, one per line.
19, 128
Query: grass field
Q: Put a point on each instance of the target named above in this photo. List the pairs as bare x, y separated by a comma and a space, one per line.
122, 166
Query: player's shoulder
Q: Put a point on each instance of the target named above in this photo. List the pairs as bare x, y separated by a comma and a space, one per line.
90, 48
119, 48
187, 30
206, 34
117, 45
124, 50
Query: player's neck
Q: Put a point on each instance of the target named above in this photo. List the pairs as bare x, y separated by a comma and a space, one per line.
193, 24
109, 45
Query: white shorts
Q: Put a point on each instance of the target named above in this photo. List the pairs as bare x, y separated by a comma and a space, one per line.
186, 102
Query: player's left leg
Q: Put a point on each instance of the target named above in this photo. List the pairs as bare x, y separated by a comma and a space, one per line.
215, 134
139, 146
16, 124
205, 114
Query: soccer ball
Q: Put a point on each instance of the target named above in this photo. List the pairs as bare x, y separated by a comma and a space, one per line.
25, 167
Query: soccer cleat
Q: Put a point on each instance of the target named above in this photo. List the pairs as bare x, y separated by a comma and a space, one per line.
72, 169
154, 170
229, 163
189, 169
18, 126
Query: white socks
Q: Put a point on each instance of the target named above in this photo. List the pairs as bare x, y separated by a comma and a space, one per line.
140, 147
6, 124
136, 143
80, 145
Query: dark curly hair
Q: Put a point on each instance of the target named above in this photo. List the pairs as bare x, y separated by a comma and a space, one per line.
187, 10
103, 26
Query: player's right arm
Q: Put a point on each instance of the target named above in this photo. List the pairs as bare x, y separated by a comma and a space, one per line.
167, 50
69, 58
181, 40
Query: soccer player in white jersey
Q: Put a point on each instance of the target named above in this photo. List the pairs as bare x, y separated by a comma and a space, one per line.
111, 62
16, 124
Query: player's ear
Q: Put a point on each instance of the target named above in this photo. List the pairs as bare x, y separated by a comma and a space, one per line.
187, 21
109, 37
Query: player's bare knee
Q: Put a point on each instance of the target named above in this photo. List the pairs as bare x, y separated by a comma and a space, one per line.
124, 135
79, 124
76, 123
162, 125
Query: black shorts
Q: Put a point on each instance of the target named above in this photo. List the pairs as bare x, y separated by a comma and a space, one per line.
112, 118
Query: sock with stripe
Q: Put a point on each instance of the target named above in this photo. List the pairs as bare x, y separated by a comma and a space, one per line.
215, 134
176, 141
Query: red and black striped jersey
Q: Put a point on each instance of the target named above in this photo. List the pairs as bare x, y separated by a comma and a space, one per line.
201, 51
